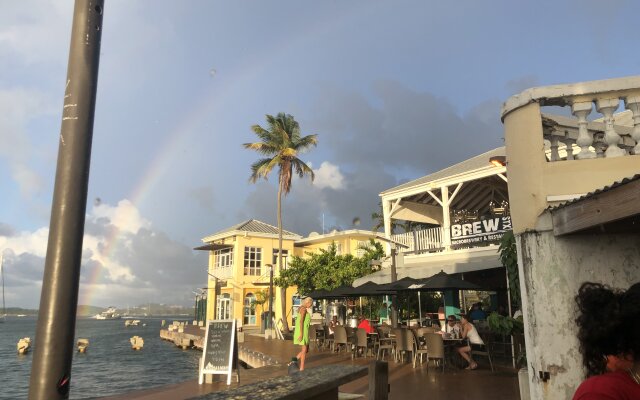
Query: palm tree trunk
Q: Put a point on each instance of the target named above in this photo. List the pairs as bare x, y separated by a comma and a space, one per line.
283, 290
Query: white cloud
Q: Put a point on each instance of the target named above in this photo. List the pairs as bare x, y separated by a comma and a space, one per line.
329, 176
124, 261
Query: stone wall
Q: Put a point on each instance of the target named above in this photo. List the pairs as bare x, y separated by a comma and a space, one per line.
551, 271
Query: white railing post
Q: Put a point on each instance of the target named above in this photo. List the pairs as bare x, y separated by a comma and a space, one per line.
606, 107
633, 103
581, 110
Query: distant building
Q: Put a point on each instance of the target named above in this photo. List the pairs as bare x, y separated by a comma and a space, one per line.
240, 258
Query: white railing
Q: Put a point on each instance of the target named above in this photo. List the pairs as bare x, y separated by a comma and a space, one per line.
420, 241
222, 273
587, 136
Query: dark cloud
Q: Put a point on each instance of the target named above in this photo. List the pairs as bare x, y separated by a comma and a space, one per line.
203, 196
405, 135
6, 230
517, 85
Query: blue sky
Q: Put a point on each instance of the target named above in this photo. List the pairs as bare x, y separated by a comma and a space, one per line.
394, 90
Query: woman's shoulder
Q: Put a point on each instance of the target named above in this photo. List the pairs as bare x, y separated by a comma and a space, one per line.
613, 385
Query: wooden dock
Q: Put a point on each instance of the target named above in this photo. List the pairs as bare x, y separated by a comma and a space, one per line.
404, 380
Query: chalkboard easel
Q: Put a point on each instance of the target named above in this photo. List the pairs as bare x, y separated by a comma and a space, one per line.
220, 350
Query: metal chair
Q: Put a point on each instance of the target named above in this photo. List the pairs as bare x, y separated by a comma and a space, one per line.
417, 350
435, 348
486, 353
313, 336
362, 342
340, 337
384, 342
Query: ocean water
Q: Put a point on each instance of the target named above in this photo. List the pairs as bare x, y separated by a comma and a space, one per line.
109, 367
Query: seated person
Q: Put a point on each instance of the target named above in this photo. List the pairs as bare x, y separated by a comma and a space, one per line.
332, 324
475, 341
451, 327
476, 313
364, 324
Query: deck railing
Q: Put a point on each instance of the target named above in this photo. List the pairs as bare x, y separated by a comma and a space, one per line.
421, 241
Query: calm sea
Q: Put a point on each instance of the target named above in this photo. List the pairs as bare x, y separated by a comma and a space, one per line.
109, 367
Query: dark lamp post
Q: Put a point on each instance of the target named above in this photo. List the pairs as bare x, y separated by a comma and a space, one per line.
270, 324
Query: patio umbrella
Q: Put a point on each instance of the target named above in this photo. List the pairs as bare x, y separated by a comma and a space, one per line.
441, 282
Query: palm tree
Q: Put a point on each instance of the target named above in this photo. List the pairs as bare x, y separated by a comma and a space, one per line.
281, 144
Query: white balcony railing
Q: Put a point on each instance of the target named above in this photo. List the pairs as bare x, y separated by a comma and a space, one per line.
587, 135
222, 273
421, 241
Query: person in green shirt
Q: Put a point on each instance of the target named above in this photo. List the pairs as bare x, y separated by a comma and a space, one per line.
384, 313
301, 330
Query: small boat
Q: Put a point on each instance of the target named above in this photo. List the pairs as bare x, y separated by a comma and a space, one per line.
136, 343
83, 345
132, 322
24, 345
110, 313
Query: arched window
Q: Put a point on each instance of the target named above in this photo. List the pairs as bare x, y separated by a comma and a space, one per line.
250, 309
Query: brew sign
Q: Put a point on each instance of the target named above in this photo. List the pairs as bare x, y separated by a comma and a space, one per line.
484, 231
220, 350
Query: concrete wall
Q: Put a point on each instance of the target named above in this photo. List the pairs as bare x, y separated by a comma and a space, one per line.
551, 271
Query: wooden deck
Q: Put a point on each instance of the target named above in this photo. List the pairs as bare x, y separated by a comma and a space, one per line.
406, 382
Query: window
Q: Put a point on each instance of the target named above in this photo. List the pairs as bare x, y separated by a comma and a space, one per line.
285, 255
223, 308
252, 260
223, 258
250, 309
362, 244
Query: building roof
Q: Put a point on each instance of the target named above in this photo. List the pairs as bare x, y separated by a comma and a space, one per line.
596, 192
250, 226
473, 163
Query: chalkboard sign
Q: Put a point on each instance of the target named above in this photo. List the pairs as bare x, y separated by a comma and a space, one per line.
220, 352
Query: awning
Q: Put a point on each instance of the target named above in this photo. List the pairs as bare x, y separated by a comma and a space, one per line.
451, 264
214, 246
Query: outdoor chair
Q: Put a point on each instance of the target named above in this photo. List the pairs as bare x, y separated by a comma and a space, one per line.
340, 338
328, 338
362, 342
486, 353
417, 350
435, 348
404, 343
384, 342
313, 336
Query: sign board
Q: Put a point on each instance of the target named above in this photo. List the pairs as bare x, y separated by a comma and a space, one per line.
220, 350
484, 231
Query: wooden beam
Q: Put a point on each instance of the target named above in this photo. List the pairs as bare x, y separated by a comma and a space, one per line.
609, 206
435, 197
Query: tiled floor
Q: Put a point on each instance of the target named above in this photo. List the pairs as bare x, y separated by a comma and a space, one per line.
406, 382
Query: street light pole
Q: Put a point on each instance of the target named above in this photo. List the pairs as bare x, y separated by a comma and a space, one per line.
54, 345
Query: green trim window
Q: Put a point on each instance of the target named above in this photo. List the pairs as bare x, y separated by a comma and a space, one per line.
249, 309
253, 261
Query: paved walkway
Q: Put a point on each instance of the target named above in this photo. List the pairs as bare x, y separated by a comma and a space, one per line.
406, 382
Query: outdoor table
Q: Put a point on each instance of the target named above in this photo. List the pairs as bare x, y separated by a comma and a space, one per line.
449, 345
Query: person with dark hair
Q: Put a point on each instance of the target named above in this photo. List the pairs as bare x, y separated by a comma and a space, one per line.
475, 342
608, 328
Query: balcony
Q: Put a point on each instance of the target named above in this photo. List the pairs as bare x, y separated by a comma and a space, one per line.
555, 158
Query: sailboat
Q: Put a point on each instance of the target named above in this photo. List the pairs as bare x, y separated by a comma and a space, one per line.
4, 310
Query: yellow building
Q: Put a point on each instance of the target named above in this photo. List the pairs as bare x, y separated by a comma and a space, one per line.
240, 262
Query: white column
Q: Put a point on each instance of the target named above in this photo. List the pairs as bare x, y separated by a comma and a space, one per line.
569, 147
446, 219
633, 103
386, 213
581, 110
606, 107
555, 156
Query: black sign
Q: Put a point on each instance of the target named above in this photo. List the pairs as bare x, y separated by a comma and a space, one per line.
220, 353
483, 231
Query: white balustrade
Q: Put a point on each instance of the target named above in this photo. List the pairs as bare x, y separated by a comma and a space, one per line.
581, 110
632, 103
607, 107
420, 241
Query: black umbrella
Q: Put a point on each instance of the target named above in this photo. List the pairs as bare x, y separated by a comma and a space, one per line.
368, 289
399, 285
443, 281
440, 282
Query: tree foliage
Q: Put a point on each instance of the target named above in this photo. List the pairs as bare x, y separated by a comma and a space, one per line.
329, 270
509, 259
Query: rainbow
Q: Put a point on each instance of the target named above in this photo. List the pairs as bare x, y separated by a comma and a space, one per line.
205, 105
